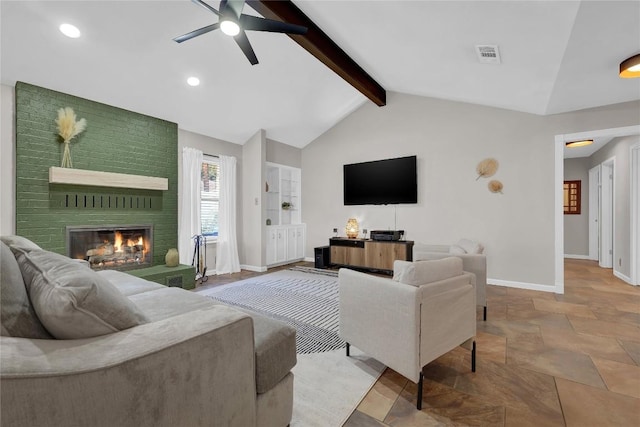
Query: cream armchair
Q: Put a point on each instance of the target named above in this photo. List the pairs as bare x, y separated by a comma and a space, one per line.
475, 263
425, 311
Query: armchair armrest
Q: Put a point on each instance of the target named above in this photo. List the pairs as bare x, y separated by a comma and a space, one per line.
180, 370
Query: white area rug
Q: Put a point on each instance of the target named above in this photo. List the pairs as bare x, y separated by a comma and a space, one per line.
328, 385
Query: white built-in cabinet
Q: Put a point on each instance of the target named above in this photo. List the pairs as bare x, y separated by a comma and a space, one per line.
285, 243
285, 237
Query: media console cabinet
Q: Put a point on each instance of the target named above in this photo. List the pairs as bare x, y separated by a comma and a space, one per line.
372, 255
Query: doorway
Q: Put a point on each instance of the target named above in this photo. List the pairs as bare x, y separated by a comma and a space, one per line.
559, 145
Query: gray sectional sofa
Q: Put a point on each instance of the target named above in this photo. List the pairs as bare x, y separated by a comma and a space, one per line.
80, 348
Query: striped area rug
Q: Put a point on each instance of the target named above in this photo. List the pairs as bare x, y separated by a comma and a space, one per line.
303, 299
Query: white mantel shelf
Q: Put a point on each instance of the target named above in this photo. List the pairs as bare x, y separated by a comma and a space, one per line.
105, 179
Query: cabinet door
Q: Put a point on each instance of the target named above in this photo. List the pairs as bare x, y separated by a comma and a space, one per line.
291, 243
281, 244
271, 245
381, 255
300, 236
348, 256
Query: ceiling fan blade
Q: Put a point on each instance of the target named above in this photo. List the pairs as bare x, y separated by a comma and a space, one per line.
196, 33
206, 6
249, 22
244, 44
232, 5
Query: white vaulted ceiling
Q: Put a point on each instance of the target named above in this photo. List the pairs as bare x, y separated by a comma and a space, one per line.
556, 57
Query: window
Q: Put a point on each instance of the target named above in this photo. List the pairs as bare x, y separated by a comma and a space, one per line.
572, 198
209, 195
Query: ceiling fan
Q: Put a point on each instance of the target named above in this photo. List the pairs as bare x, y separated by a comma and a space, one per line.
233, 22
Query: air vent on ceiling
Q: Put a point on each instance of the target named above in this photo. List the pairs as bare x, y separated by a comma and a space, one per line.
488, 53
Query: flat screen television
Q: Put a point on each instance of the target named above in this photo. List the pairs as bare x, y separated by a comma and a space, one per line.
381, 182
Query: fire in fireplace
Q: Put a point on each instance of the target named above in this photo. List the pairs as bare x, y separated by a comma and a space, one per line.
111, 247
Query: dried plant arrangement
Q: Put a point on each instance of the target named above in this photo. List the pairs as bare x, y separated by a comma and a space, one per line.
486, 168
495, 186
68, 128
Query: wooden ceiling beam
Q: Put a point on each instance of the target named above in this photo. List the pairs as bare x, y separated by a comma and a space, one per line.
317, 43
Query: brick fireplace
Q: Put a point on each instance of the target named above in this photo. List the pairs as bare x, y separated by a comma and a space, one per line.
115, 141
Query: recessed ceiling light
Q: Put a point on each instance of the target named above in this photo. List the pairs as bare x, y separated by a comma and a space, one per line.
70, 30
193, 81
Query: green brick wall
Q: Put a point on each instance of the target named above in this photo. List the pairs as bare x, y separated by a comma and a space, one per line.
115, 140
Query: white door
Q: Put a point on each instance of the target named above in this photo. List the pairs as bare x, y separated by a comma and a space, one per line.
606, 214
594, 212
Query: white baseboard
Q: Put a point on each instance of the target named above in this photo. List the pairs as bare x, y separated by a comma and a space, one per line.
570, 256
522, 285
253, 268
622, 277
309, 259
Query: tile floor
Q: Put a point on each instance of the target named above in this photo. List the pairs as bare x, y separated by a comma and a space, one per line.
543, 360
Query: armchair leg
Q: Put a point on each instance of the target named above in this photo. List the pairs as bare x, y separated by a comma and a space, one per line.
420, 383
348, 345
485, 313
473, 357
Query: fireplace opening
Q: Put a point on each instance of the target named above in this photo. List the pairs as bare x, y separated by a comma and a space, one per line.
111, 247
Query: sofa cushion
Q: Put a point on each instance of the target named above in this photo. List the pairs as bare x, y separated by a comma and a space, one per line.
73, 301
470, 246
421, 272
275, 343
128, 284
17, 316
167, 302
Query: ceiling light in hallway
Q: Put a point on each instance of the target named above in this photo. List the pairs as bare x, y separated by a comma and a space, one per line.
193, 81
630, 67
581, 143
70, 31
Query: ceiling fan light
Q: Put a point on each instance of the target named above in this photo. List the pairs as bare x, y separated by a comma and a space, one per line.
630, 67
581, 143
70, 31
230, 28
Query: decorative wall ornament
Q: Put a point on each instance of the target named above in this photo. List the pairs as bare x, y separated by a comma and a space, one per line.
495, 186
68, 128
486, 168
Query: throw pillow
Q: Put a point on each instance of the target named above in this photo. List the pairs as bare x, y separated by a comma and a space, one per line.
17, 316
420, 272
73, 301
470, 246
20, 243
455, 249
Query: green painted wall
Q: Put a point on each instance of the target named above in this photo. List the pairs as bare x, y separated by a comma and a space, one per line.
115, 140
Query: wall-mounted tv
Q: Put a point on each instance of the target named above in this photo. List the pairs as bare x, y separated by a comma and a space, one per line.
381, 182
